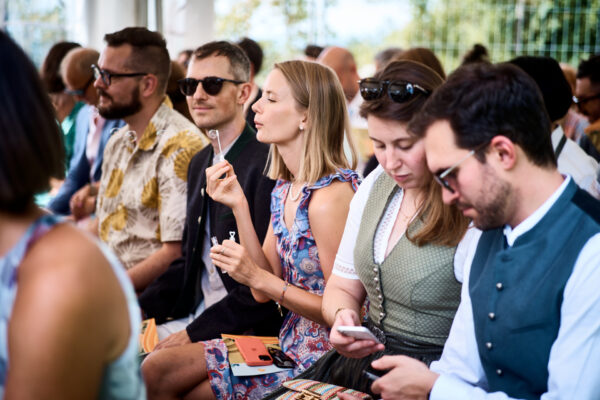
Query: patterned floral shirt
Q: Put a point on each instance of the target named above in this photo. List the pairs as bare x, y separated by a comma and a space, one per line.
143, 189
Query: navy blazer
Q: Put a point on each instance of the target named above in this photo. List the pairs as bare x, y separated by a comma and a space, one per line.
79, 168
177, 293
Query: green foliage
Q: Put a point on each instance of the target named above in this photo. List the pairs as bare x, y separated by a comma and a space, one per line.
236, 23
567, 30
295, 15
36, 29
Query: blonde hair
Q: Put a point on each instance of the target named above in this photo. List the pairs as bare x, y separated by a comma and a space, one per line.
317, 90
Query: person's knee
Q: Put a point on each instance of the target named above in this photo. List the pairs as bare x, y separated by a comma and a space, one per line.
155, 369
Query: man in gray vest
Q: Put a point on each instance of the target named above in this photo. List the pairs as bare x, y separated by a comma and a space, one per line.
528, 325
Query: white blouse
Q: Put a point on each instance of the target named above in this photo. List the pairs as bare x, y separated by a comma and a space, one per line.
344, 260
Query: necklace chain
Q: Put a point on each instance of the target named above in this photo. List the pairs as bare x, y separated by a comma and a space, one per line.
291, 192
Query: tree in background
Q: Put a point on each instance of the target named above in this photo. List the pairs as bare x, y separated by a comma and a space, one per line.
567, 30
35, 25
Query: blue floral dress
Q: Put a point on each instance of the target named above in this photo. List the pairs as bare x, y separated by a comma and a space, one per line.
301, 339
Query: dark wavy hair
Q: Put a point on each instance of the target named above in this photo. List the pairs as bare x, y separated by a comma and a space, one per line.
31, 145
481, 101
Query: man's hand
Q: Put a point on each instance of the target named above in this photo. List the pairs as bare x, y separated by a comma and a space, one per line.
408, 379
176, 339
83, 202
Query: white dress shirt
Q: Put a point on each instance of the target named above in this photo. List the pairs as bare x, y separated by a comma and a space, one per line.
575, 354
574, 161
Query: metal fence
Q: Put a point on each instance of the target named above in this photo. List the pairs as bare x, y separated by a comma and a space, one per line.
567, 30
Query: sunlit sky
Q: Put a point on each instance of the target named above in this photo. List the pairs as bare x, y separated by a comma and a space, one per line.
346, 19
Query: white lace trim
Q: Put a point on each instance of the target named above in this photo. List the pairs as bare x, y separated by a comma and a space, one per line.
345, 271
384, 230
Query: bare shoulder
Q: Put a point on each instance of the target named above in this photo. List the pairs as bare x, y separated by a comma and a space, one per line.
66, 262
331, 199
65, 247
67, 290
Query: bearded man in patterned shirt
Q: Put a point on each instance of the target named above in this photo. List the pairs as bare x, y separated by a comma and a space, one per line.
143, 190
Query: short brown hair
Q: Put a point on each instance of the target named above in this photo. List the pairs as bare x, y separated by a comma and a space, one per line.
424, 56
239, 63
149, 52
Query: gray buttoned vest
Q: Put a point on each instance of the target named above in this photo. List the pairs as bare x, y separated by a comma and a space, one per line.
414, 292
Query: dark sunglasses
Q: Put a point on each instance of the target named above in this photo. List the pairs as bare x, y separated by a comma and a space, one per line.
80, 92
371, 89
580, 101
107, 76
212, 85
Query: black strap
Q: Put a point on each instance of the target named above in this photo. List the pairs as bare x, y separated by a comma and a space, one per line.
560, 146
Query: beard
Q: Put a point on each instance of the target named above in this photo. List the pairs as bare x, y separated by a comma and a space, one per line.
492, 203
119, 111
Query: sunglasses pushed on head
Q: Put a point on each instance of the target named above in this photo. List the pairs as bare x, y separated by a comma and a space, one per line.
398, 91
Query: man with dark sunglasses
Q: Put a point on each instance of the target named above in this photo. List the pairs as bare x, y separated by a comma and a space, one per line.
91, 135
527, 326
194, 300
143, 186
587, 96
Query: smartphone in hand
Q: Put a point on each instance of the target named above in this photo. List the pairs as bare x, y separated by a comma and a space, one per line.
357, 332
254, 351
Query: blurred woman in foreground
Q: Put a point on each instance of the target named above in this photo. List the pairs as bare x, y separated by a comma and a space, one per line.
69, 319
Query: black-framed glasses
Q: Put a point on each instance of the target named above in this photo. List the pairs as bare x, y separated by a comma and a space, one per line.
398, 91
580, 101
107, 76
442, 177
80, 92
212, 85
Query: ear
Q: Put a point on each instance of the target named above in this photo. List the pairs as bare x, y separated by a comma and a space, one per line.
503, 152
244, 92
304, 120
149, 85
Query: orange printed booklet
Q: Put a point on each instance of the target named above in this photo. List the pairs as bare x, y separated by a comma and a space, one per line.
148, 336
236, 360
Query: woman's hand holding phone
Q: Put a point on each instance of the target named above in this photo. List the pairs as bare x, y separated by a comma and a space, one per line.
349, 346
